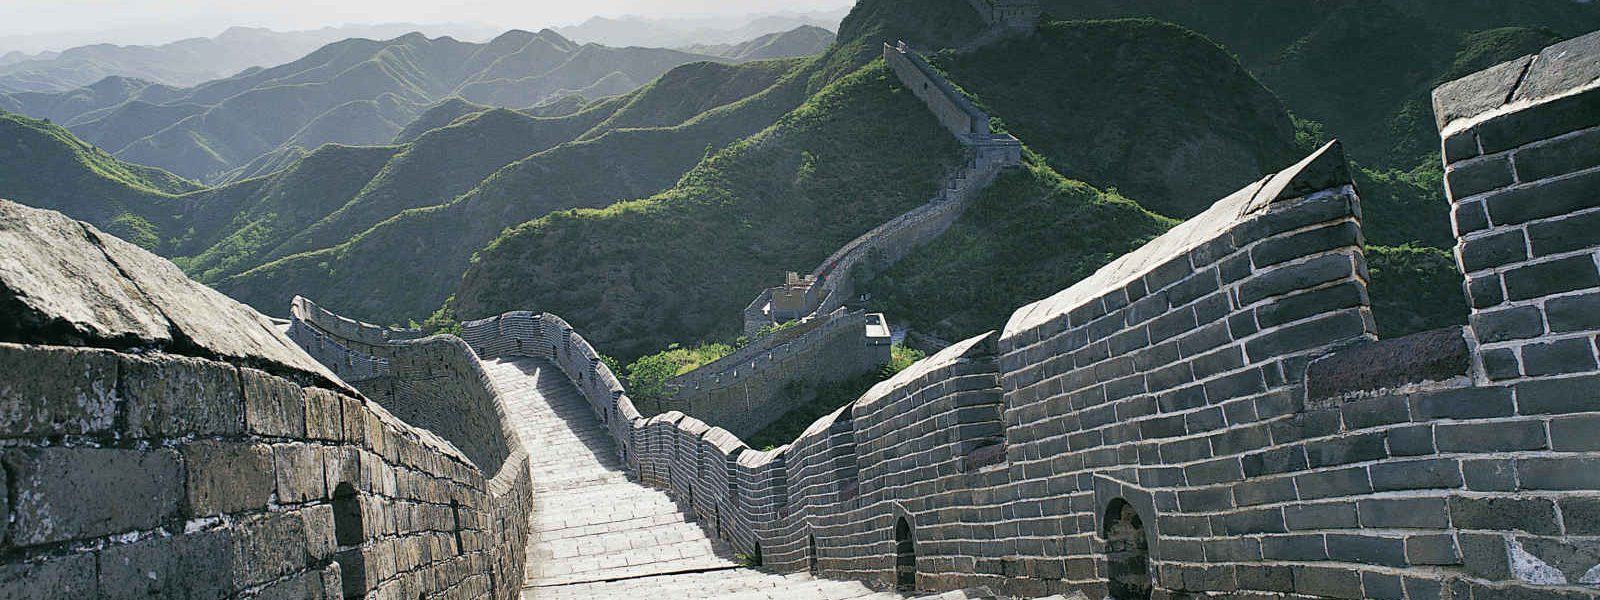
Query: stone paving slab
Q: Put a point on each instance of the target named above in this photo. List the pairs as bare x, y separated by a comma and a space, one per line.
598, 534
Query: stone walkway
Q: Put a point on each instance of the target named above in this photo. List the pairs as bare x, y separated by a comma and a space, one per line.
597, 534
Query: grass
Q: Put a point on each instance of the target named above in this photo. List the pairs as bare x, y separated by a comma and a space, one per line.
681, 265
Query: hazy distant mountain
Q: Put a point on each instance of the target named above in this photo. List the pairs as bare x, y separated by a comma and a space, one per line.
192, 61
682, 33
356, 91
804, 40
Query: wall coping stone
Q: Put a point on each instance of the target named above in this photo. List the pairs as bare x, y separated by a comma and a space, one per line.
1325, 169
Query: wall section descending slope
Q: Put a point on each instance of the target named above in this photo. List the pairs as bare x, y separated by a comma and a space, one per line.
1210, 415
160, 440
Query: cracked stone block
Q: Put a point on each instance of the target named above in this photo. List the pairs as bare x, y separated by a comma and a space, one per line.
77, 397
174, 396
273, 406
77, 493
189, 567
227, 478
57, 577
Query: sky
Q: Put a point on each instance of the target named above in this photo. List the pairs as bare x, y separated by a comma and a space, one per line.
166, 20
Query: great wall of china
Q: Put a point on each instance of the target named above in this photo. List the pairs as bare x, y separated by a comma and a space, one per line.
1211, 415
745, 390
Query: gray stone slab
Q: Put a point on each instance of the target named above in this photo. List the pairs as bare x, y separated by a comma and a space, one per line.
1564, 67
77, 493
1477, 93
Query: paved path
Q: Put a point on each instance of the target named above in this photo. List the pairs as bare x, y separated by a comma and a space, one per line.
596, 534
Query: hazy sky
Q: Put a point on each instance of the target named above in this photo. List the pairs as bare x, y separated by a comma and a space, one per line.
209, 17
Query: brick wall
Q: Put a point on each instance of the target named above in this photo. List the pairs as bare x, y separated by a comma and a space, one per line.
1212, 414
164, 475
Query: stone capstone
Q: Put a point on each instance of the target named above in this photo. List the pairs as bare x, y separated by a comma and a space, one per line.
63, 282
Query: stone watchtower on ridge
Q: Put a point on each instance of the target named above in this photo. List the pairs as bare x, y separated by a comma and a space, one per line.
1009, 14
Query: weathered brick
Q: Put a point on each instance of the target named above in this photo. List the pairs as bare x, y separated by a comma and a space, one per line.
1416, 475
1335, 327
267, 547
227, 477
1265, 578
1411, 441
1328, 582
1492, 251
1476, 177
1423, 589
1485, 290
1564, 235
1461, 145
1552, 277
1255, 492
1576, 473
49, 578
1309, 304
1544, 200
194, 566
1282, 280
1572, 355
319, 527
1437, 549
1470, 217
299, 474
1559, 157
56, 391
175, 396
273, 406
323, 420
1490, 475
1306, 243
1575, 434
1484, 555
1214, 472
1581, 514
1294, 547
1532, 515
1558, 396
1347, 449
1286, 459
1404, 513
1490, 437
1501, 364
1574, 313
1380, 586
1518, 323
1336, 515
1469, 403
1333, 484
1543, 121
77, 493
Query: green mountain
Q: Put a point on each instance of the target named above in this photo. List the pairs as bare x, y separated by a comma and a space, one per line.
356, 91
680, 265
805, 40
182, 63
653, 216
406, 265
44, 165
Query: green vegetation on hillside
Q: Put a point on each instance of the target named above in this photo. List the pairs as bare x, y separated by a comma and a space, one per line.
640, 275
43, 165
404, 266
647, 377
1151, 109
1028, 236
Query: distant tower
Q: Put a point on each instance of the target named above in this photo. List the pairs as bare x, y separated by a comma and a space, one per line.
1020, 15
